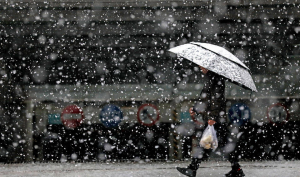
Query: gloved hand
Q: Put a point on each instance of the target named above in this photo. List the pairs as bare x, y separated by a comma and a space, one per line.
211, 122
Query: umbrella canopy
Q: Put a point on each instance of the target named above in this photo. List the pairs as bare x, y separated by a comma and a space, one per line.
218, 60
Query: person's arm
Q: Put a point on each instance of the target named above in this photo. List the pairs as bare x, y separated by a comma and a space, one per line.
217, 102
201, 106
212, 99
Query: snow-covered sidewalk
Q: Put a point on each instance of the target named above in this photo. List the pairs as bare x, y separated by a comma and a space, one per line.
147, 169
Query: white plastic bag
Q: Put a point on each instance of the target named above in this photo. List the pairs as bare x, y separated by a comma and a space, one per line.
209, 138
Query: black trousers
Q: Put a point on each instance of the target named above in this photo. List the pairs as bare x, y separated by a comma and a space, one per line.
228, 146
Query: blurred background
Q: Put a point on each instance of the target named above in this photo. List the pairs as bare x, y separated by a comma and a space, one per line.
94, 81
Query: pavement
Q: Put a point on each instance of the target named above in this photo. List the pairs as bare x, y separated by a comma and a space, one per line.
147, 169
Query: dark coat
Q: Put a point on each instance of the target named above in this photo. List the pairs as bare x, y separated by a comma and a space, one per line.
212, 102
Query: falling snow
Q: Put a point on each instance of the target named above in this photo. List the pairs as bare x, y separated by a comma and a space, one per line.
111, 60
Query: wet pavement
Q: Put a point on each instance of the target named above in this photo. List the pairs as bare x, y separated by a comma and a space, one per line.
148, 169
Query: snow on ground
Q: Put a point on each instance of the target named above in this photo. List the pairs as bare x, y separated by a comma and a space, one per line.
147, 169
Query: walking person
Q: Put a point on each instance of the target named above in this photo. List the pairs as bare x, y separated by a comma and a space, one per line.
219, 65
212, 105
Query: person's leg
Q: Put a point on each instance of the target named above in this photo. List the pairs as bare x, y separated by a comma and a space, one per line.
236, 170
192, 168
197, 160
195, 163
233, 158
200, 154
222, 134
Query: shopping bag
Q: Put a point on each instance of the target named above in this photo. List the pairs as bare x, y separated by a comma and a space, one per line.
209, 138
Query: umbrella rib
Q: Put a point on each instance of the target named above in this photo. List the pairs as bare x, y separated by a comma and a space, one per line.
219, 55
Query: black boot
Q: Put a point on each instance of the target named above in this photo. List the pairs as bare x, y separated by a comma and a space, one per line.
191, 169
236, 170
235, 173
187, 171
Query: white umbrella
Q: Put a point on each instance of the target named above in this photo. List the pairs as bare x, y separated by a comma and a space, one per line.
218, 60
